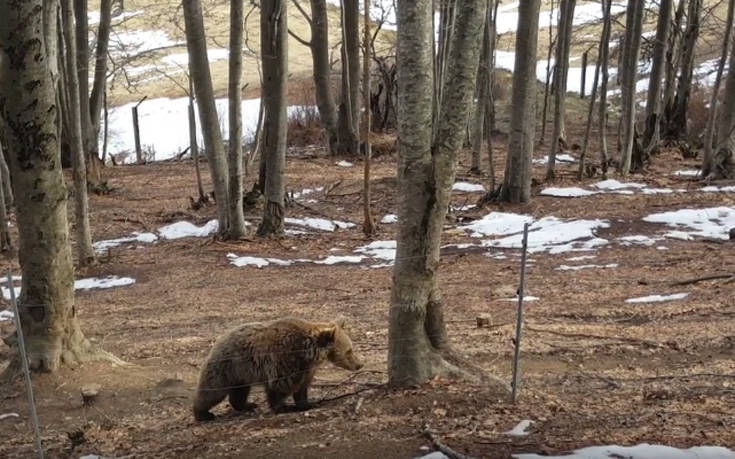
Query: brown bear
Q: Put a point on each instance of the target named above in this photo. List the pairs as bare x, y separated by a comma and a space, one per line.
282, 356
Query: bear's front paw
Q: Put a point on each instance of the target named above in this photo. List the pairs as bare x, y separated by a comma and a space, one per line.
203, 416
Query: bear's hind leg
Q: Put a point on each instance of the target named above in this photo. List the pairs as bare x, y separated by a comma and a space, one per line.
276, 400
206, 399
239, 399
301, 399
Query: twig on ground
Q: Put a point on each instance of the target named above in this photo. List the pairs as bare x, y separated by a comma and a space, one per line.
350, 394
727, 276
426, 431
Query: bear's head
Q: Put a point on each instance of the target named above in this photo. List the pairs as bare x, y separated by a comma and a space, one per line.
339, 346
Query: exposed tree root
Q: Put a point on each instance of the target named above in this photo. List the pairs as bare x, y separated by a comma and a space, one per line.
439, 446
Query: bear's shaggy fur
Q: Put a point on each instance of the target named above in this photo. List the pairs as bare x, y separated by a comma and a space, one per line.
282, 356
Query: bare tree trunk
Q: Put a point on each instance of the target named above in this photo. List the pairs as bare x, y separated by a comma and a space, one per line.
6, 183
193, 145
236, 217
368, 225
349, 111
100, 70
673, 58
418, 343
629, 73
517, 179
274, 44
653, 103
322, 81
83, 232
604, 60
491, 24
590, 114
28, 37
547, 85
566, 14
196, 44
483, 78
447, 11
677, 124
5, 244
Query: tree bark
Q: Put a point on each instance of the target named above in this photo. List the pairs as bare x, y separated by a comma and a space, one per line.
322, 71
196, 45
517, 179
4, 210
653, 103
28, 38
604, 60
673, 58
720, 163
193, 145
563, 42
368, 224
547, 84
274, 44
349, 112
478, 115
6, 182
75, 130
418, 344
96, 99
629, 73
677, 124
590, 113
492, 30
236, 217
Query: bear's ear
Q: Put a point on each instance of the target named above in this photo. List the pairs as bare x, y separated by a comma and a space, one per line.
326, 337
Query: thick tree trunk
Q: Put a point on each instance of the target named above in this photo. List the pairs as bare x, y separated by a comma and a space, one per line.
517, 179
368, 224
566, 17
236, 218
96, 99
274, 43
322, 71
677, 124
418, 344
653, 103
604, 58
196, 45
28, 37
349, 112
75, 131
629, 74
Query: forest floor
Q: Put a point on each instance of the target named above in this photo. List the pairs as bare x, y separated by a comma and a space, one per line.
594, 369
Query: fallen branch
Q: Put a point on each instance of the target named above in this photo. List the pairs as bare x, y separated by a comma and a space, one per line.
350, 394
728, 276
426, 431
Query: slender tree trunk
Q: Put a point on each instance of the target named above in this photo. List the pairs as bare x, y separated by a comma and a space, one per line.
673, 58
447, 11
629, 75
193, 143
6, 183
4, 211
604, 60
368, 225
418, 344
196, 44
349, 112
236, 218
517, 179
653, 103
590, 115
566, 13
677, 124
83, 232
28, 37
547, 85
478, 117
100, 70
106, 119
274, 44
322, 71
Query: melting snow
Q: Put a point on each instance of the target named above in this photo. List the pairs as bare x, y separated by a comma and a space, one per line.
5, 315
714, 222
613, 184
572, 192
102, 282
6, 292
582, 257
553, 235
382, 250
101, 246
688, 173
520, 430
657, 190
637, 239
563, 158
497, 224
390, 218
8, 415
434, 455
344, 163
180, 230
333, 259
468, 187
642, 451
580, 267
321, 224
719, 189
305, 191
257, 261
657, 298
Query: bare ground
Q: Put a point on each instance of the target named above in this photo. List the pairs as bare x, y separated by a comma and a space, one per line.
595, 370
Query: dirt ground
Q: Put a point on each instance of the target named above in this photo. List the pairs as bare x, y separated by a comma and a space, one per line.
594, 369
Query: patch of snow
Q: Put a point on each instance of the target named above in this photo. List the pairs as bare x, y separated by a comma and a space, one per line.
320, 224
713, 222
256, 261
381, 250
344, 163
434, 455
642, 451
662, 247
466, 187
688, 173
147, 238
6, 315
180, 230
334, 259
525, 298
553, 235
520, 430
571, 192
497, 224
657, 298
93, 283
637, 239
657, 190
580, 267
6, 292
463, 208
4, 280
305, 191
138, 41
563, 158
182, 59
9, 415
581, 257
612, 184
388, 219
719, 189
